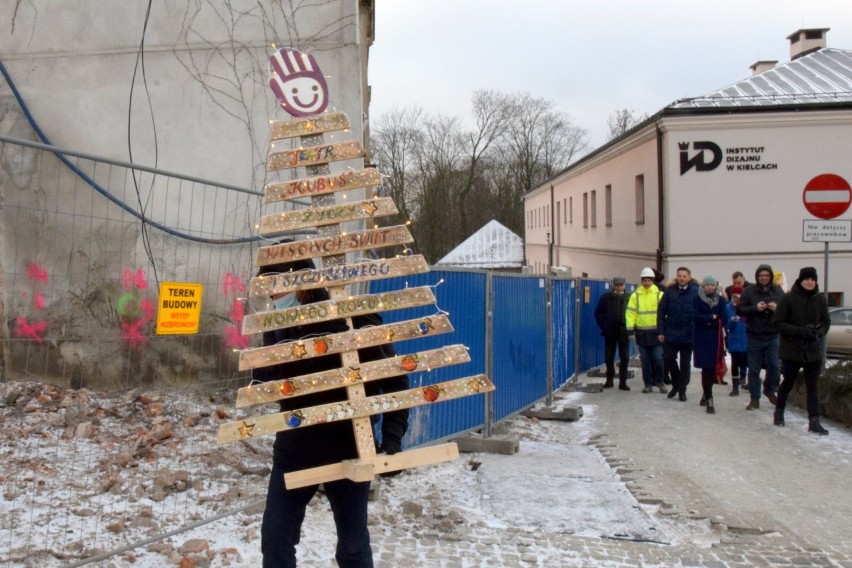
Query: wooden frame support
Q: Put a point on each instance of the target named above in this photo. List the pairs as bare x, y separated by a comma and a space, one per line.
366, 469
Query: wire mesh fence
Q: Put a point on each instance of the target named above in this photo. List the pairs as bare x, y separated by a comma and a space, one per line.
109, 429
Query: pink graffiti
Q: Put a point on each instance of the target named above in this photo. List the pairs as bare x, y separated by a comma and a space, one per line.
130, 333
147, 309
233, 284
128, 279
234, 339
33, 331
38, 301
237, 312
36, 272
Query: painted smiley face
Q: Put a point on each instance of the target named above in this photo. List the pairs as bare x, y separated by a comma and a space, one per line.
304, 95
298, 82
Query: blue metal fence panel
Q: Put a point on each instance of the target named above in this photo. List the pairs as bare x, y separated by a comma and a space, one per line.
591, 342
563, 297
520, 342
462, 294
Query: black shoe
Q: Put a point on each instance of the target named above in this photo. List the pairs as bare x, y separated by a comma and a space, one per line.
608, 385
703, 402
815, 427
623, 387
667, 380
710, 408
672, 393
735, 392
779, 417
682, 397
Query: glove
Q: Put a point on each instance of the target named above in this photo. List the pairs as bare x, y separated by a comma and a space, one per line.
391, 446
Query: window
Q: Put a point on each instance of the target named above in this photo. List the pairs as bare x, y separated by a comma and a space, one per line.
608, 204
594, 208
547, 215
640, 199
565, 211
571, 210
585, 210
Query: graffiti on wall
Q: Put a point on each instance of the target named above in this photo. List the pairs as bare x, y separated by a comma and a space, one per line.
36, 327
134, 310
233, 285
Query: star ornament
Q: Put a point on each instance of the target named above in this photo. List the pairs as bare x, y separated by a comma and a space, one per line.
353, 375
245, 430
298, 351
370, 208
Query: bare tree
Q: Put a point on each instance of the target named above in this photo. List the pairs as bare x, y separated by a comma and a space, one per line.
396, 140
621, 121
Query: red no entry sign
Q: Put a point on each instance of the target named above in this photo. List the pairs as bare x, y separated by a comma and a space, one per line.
827, 196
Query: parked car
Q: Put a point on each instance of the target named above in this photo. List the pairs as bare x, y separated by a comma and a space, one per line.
839, 335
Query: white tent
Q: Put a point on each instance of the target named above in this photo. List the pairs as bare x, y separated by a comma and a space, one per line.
492, 246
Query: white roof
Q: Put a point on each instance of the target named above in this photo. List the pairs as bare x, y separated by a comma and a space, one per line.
492, 246
824, 76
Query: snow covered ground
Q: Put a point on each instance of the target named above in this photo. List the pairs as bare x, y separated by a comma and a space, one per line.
86, 474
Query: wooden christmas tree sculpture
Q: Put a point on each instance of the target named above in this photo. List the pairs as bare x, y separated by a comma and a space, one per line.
296, 77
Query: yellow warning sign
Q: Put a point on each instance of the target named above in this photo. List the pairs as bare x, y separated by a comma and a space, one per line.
179, 308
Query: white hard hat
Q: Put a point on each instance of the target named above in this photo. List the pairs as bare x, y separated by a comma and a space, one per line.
647, 273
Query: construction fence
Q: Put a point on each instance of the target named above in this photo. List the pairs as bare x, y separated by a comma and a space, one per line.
109, 429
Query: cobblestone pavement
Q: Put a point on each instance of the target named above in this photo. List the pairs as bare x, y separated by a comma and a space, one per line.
755, 494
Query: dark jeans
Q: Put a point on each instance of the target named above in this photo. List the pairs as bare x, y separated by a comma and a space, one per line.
679, 371
739, 365
791, 373
652, 364
285, 511
610, 343
763, 350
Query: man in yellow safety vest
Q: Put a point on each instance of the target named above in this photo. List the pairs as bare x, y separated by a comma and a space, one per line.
641, 319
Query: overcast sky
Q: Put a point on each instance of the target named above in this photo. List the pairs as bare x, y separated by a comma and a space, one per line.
589, 57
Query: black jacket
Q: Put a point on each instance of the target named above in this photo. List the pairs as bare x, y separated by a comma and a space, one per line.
759, 324
609, 313
325, 444
674, 314
802, 319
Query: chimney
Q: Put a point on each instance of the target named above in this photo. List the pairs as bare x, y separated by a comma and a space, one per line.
761, 66
803, 42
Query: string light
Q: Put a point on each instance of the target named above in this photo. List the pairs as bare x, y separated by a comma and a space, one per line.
354, 408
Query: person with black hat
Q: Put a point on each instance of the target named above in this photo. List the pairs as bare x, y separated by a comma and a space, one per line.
322, 444
802, 320
609, 314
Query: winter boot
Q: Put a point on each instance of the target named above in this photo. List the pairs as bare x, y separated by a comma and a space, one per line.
622, 385
735, 390
703, 401
608, 384
753, 405
815, 427
779, 416
710, 408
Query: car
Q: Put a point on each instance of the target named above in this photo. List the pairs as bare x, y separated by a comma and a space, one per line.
839, 336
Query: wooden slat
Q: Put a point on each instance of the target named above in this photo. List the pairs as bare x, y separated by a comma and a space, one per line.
344, 341
346, 307
282, 129
334, 245
313, 155
339, 275
376, 465
353, 409
318, 216
364, 372
321, 185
